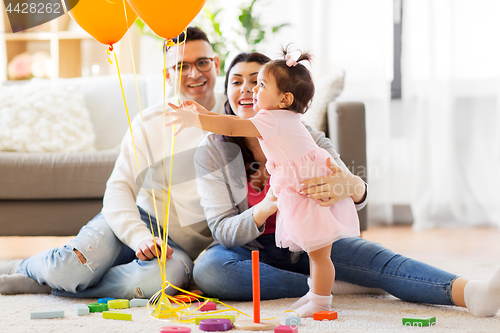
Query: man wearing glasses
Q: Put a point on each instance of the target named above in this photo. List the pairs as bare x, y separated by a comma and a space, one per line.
114, 255
198, 66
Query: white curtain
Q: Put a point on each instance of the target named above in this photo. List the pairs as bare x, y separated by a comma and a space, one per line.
355, 36
451, 86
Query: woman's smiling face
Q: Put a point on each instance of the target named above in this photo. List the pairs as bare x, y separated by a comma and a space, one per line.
242, 78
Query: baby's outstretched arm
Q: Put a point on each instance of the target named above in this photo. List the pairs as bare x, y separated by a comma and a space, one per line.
191, 114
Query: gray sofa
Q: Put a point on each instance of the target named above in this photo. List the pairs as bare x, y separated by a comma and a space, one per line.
55, 194
347, 130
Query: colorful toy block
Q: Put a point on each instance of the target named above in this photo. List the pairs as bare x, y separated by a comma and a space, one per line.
419, 322
209, 306
292, 321
118, 304
199, 318
81, 309
98, 307
104, 300
325, 315
47, 314
210, 299
212, 325
256, 324
286, 329
175, 329
118, 315
138, 302
188, 297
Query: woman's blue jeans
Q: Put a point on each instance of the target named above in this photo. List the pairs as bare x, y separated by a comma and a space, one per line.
226, 274
111, 268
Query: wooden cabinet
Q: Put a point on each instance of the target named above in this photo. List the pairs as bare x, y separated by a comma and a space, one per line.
72, 53
63, 47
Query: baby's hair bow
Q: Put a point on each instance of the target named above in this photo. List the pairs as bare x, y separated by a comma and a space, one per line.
290, 62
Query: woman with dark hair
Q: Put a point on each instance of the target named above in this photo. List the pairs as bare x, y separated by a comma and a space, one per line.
233, 186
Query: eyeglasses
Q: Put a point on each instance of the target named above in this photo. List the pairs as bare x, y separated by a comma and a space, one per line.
202, 64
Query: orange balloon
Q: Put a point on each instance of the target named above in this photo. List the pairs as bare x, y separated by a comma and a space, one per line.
103, 19
167, 18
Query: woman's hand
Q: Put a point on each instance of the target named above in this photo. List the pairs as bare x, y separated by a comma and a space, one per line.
335, 187
186, 114
267, 207
150, 249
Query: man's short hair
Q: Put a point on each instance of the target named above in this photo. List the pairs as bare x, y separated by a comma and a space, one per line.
193, 33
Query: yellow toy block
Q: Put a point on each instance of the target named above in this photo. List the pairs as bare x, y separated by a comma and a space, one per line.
116, 315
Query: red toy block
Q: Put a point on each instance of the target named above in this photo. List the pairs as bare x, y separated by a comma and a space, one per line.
325, 315
209, 306
286, 329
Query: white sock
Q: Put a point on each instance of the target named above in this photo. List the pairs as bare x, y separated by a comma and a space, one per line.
21, 284
340, 288
9, 266
316, 303
482, 297
304, 299
344, 288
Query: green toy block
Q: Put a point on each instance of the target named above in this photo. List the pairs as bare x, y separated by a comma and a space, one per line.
199, 318
116, 315
47, 314
98, 307
419, 322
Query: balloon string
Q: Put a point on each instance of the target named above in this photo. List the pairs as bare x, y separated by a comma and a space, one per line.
144, 134
108, 51
182, 61
164, 309
128, 114
166, 207
131, 131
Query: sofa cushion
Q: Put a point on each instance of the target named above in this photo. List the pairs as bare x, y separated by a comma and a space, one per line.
104, 99
44, 116
328, 89
55, 175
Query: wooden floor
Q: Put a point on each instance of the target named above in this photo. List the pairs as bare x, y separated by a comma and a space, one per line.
440, 244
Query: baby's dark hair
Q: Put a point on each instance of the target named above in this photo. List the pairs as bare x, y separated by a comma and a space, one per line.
295, 79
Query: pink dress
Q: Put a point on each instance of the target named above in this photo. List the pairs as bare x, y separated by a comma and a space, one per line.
292, 157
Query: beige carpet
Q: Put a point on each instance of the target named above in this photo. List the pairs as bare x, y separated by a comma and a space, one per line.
356, 313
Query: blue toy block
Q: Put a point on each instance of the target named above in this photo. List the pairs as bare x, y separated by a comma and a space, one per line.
104, 300
138, 302
292, 321
82, 309
47, 314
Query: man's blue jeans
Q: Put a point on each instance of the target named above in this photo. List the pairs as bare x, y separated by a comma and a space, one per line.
226, 274
111, 269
